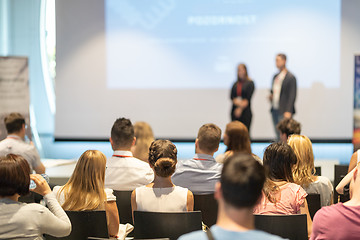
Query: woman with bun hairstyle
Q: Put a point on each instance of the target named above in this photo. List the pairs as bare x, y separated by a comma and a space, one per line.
162, 195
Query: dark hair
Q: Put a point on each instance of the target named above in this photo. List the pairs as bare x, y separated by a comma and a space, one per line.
122, 133
278, 160
282, 55
14, 175
209, 137
244, 66
163, 157
289, 126
14, 122
238, 137
242, 180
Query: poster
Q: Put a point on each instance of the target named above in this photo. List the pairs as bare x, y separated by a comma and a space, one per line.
14, 90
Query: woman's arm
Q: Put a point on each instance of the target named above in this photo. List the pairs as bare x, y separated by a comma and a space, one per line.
345, 181
54, 220
112, 216
304, 209
133, 203
190, 202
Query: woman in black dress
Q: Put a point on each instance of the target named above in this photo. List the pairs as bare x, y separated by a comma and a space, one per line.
241, 94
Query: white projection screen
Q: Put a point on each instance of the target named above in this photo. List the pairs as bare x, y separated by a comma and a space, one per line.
172, 63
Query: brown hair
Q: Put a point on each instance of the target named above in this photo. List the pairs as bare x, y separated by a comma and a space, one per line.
289, 126
209, 137
246, 72
163, 157
238, 139
282, 55
14, 122
144, 137
85, 188
122, 133
278, 160
14, 175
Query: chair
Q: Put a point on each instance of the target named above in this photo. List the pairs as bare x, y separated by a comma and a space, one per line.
86, 224
340, 172
318, 171
123, 202
314, 203
150, 225
208, 207
293, 227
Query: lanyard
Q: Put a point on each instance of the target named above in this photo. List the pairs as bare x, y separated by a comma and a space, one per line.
202, 159
121, 156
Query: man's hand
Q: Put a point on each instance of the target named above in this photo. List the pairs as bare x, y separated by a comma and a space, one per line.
287, 115
270, 97
237, 112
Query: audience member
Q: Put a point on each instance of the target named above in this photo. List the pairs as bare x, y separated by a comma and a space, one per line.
237, 140
123, 171
238, 191
281, 195
144, 137
287, 127
162, 195
200, 173
27, 221
15, 142
85, 189
342, 220
304, 169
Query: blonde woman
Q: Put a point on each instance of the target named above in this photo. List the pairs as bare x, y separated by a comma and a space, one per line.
304, 170
144, 137
85, 189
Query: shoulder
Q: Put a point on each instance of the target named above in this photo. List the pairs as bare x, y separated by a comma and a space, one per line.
33, 208
324, 180
296, 189
327, 212
257, 234
56, 189
290, 76
197, 235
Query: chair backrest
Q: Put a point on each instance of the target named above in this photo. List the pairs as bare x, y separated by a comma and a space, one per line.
208, 207
123, 202
340, 172
293, 227
150, 225
86, 224
314, 203
318, 171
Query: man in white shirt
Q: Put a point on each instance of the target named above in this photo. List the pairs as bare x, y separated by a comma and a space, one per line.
123, 171
15, 142
283, 93
200, 173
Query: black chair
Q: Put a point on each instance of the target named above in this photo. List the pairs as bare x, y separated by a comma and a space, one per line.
340, 172
293, 227
208, 207
86, 224
123, 202
314, 203
318, 171
150, 225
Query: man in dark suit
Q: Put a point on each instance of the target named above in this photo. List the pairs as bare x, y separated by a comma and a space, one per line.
283, 93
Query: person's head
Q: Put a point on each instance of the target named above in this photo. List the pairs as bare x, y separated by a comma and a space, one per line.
242, 180
122, 134
303, 170
14, 176
279, 159
144, 137
163, 158
85, 188
236, 137
242, 72
280, 61
287, 127
15, 123
208, 139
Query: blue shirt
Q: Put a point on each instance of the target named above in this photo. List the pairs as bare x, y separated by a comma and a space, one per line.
222, 234
198, 174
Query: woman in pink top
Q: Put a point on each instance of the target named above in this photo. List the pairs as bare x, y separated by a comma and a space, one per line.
280, 194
